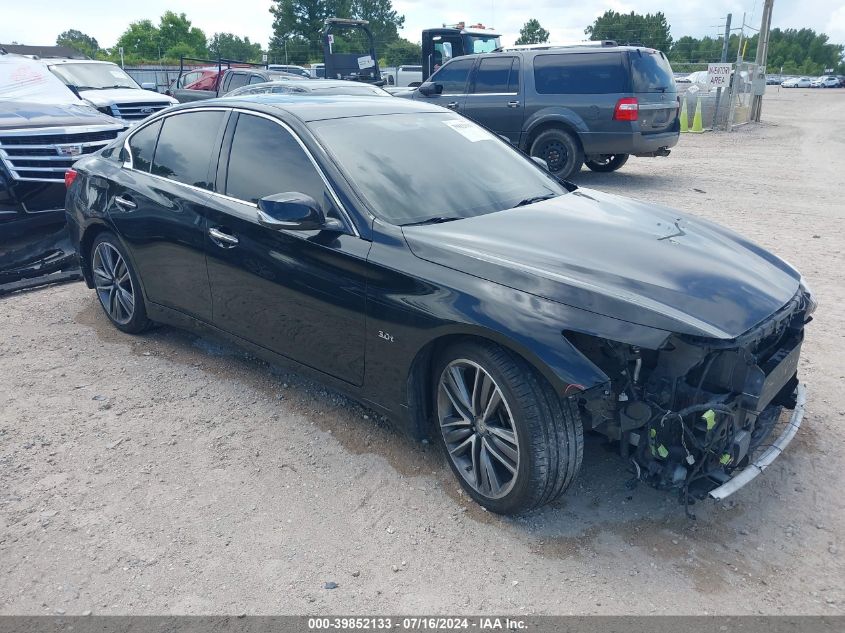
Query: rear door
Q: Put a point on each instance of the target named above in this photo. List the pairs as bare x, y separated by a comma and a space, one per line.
453, 77
495, 99
655, 90
233, 80
298, 293
158, 205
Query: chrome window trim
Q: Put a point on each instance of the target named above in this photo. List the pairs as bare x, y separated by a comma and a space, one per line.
347, 219
492, 94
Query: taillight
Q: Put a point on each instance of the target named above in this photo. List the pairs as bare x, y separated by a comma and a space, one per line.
70, 176
627, 109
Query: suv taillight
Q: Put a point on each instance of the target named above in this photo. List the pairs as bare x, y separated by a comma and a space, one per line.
627, 109
70, 176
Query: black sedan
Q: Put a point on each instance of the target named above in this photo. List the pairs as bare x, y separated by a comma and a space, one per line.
416, 261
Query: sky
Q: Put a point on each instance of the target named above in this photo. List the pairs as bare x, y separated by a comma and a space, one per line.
40, 21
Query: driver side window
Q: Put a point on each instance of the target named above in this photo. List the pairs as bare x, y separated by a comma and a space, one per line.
453, 76
266, 159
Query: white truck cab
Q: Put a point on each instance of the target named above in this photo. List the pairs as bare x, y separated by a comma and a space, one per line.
107, 87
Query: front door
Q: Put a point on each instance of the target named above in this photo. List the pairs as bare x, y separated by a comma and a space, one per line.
298, 293
495, 100
452, 78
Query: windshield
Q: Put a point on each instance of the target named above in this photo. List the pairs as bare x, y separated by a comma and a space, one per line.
482, 43
456, 169
93, 76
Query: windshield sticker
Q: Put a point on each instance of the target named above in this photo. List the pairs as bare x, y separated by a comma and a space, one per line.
470, 131
366, 62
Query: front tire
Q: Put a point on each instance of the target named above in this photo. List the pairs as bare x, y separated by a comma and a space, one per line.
513, 444
607, 162
117, 285
561, 151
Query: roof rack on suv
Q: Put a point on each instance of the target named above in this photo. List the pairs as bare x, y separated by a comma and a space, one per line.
546, 46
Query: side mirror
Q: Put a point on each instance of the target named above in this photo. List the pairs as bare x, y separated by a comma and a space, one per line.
149, 85
430, 89
542, 163
294, 211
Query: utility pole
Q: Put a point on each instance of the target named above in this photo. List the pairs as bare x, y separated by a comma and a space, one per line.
725, 43
735, 79
762, 54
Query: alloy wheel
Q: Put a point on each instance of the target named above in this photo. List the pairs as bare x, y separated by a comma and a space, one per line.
478, 428
113, 283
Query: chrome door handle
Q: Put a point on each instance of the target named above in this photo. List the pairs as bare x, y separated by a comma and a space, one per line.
223, 240
125, 203
452, 105
513, 104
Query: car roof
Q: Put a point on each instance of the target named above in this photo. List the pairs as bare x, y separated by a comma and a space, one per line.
311, 84
308, 108
50, 61
562, 50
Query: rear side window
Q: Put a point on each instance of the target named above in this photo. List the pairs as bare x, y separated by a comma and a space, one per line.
265, 159
142, 146
236, 80
453, 77
580, 73
652, 72
496, 75
185, 146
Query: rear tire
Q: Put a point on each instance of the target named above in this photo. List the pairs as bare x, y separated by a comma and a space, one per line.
511, 441
561, 151
117, 285
608, 162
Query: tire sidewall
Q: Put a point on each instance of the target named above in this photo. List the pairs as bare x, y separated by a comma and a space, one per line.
514, 500
139, 320
615, 163
575, 155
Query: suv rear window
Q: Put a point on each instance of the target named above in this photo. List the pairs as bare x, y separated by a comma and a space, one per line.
651, 72
580, 73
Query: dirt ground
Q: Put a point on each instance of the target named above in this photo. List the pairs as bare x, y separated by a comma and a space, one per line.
170, 474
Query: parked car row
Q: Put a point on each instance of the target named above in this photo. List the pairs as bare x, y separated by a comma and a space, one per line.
825, 81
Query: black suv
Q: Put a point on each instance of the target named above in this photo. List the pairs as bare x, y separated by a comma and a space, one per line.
44, 128
568, 106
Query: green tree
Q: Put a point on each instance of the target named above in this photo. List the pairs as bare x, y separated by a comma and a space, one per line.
230, 46
384, 20
177, 37
532, 33
651, 29
402, 51
298, 24
78, 41
140, 41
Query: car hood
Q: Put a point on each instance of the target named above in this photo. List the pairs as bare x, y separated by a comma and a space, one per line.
17, 114
621, 258
102, 98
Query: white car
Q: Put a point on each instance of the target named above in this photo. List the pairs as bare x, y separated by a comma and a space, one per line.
825, 81
108, 88
796, 82
290, 68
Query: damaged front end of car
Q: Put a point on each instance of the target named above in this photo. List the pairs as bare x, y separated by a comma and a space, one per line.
694, 413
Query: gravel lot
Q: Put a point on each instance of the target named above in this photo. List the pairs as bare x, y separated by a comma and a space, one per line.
169, 474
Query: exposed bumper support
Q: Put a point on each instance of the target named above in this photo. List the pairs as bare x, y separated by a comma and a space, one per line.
773, 452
